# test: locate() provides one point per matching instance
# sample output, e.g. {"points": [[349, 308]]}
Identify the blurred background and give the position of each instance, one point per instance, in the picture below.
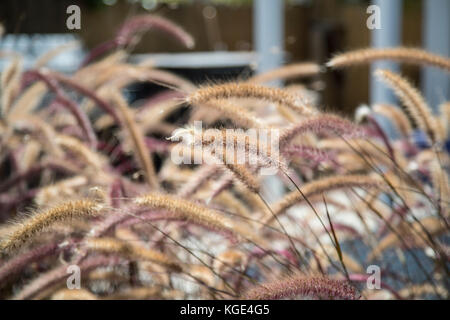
{"points": [[235, 38]]}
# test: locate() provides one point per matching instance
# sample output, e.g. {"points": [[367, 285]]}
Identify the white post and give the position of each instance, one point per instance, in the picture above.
{"points": [[389, 35], [268, 33], [268, 41], [436, 26]]}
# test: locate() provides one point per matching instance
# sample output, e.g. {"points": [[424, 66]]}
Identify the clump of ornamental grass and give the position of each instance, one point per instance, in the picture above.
{"points": [[99, 175]]}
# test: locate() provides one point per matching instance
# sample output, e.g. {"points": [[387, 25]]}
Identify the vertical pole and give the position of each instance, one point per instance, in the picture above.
{"points": [[389, 35], [268, 33], [436, 25], [268, 42]]}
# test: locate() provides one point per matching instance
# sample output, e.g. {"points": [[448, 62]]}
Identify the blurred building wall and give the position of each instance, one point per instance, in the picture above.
{"points": [[312, 32]]}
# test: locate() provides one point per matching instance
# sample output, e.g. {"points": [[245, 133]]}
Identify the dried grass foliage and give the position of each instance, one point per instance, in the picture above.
{"points": [[96, 173]]}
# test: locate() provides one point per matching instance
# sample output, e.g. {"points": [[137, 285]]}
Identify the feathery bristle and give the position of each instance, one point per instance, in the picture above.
{"points": [[186, 209], [414, 103], [249, 91], [138, 140], [395, 114], [323, 123], [291, 71], [39, 221], [405, 55]]}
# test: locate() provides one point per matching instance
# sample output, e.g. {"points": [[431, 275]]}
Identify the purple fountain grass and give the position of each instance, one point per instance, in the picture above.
{"points": [[88, 93], [15, 265], [322, 124], [61, 97], [305, 286], [404, 55], [58, 274], [138, 24], [116, 198], [310, 153], [37, 169]]}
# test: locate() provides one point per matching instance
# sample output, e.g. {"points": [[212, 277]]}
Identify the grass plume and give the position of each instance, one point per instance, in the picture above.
{"points": [[300, 285], [404, 55], [32, 226]]}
